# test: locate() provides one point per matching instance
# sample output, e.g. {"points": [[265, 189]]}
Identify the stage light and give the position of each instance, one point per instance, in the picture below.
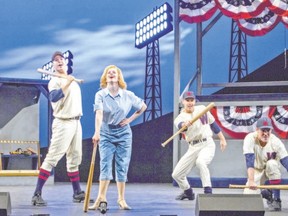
{"points": [[153, 26]]}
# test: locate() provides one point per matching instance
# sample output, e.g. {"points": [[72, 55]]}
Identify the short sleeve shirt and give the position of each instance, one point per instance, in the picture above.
{"points": [[200, 129], [115, 109], [71, 104], [274, 149]]}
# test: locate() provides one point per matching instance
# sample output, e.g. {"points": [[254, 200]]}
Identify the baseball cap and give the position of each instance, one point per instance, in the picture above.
{"points": [[188, 94], [264, 122], [57, 53]]}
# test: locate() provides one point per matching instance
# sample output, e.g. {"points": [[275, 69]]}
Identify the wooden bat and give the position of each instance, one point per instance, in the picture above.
{"points": [[280, 187], [40, 70], [210, 106], [90, 179]]}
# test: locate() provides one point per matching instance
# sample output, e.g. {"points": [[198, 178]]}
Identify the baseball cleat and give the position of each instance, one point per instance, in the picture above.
{"points": [[275, 205], [79, 197], [187, 194], [37, 200]]}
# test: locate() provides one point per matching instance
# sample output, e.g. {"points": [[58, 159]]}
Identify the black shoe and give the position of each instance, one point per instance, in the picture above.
{"points": [[38, 200], [275, 205], [187, 194], [79, 197], [267, 194], [103, 207]]}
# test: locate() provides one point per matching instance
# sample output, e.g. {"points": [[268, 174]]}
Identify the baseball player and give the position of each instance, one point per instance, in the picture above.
{"points": [[263, 151], [201, 148], [65, 98]]}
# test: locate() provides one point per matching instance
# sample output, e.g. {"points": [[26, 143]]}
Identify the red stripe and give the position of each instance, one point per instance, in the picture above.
{"points": [[275, 181], [75, 179], [43, 177], [73, 173], [45, 172]]}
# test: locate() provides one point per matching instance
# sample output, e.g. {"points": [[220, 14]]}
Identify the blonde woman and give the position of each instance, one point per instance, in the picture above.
{"points": [[113, 134]]}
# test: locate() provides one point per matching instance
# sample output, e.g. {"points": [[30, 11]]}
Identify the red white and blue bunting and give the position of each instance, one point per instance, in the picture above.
{"points": [[280, 7], [285, 21], [195, 11], [238, 121], [279, 116], [238, 9], [259, 25], [254, 17]]}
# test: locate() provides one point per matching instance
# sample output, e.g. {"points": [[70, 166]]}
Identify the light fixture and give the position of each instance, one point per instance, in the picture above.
{"points": [[153, 26]]}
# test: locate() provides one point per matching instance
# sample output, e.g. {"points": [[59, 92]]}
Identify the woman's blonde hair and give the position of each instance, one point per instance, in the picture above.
{"points": [[103, 82]]}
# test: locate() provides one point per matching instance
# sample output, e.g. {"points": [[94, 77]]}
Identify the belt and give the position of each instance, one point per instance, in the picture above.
{"points": [[73, 118], [114, 126], [194, 142]]}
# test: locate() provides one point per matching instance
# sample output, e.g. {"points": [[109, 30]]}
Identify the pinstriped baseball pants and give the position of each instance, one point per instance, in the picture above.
{"points": [[66, 139], [199, 155]]}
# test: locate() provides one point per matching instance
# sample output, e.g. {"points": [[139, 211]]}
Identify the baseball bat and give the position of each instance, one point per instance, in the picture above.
{"points": [[40, 70], [280, 187], [210, 106], [90, 179]]}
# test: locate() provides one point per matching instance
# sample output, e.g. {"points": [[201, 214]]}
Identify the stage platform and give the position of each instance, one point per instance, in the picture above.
{"points": [[145, 199]]}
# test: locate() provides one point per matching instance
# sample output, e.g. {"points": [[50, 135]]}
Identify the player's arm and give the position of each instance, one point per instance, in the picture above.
{"points": [[180, 122], [216, 129], [284, 162], [58, 91], [250, 158], [56, 95], [65, 86]]}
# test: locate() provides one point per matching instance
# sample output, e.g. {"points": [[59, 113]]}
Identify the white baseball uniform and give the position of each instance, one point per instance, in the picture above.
{"points": [[201, 148], [266, 164], [66, 127]]}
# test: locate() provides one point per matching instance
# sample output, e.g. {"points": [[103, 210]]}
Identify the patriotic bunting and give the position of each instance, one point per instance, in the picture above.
{"points": [[260, 25], [285, 21], [195, 11], [254, 17], [238, 121], [279, 116], [280, 7], [239, 9]]}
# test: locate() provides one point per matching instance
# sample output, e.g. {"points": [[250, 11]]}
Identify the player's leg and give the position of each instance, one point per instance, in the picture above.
{"points": [[60, 141], [73, 160], [182, 169], [205, 157], [274, 175]]}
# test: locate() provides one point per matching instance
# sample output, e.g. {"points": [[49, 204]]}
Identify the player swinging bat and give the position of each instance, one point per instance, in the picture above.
{"points": [[210, 106], [201, 150]]}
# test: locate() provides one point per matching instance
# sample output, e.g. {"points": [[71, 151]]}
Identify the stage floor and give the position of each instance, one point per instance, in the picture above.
{"points": [[145, 199]]}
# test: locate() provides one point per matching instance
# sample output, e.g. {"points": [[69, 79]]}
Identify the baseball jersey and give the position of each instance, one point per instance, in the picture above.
{"points": [[200, 129], [274, 149], [115, 109], [71, 104]]}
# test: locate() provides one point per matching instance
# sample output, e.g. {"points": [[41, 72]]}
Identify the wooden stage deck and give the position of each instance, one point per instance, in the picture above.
{"points": [[145, 199]]}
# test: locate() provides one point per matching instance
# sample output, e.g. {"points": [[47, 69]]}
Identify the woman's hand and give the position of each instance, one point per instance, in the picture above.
{"points": [[95, 139], [125, 122]]}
